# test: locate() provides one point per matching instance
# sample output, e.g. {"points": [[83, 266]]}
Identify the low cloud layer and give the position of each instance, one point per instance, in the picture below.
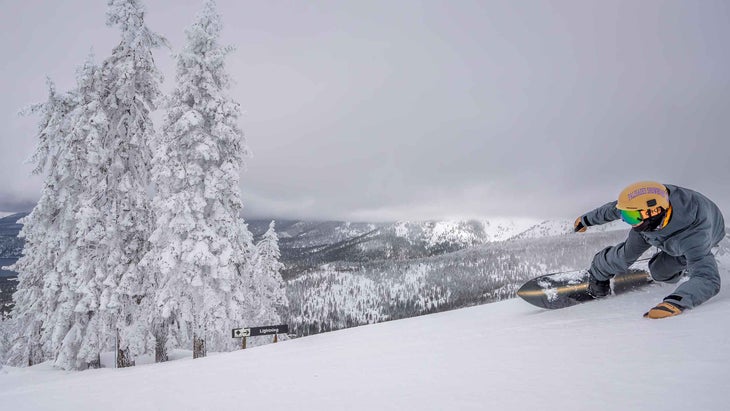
{"points": [[419, 110]]}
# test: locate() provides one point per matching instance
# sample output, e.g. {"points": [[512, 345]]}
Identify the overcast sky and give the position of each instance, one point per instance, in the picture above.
{"points": [[385, 110]]}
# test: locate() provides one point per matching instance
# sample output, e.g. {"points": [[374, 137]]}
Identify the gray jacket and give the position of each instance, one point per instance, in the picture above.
{"points": [[695, 227]]}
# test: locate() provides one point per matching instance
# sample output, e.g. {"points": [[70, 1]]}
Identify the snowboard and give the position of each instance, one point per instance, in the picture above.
{"points": [[560, 290]]}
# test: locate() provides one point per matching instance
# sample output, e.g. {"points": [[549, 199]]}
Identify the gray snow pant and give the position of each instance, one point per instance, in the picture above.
{"points": [[667, 268], [617, 259], [663, 267]]}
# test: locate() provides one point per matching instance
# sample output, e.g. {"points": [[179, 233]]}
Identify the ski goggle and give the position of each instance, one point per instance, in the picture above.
{"points": [[632, 217]]}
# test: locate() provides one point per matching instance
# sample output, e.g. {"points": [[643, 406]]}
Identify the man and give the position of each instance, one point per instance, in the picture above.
{"points": [[683, 224]]}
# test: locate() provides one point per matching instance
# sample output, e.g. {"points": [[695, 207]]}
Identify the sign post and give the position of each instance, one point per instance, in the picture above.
{"points": [[244, 333]]}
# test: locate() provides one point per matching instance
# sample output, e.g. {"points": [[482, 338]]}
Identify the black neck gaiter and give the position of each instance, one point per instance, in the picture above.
{"points": [[651, 223]]}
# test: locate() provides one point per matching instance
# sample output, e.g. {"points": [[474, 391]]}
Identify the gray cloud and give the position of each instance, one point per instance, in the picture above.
{"points": [[386, 110]]}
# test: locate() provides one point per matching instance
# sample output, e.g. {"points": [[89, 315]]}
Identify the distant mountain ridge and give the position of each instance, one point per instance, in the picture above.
{"points": [[308, 244], [305, 245]]}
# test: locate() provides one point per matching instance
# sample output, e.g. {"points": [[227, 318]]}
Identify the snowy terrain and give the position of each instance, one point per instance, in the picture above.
{"points": [[502, 356], [313, 234], [461, 232], [344, 293], [550, 228], [308, 243]]}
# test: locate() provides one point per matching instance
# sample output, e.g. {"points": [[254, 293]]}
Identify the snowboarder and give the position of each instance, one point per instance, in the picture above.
{"points": [[683, 224]]}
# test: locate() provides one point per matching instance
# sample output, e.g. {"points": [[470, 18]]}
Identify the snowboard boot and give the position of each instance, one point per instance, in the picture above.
{"points": [[598, 288]]}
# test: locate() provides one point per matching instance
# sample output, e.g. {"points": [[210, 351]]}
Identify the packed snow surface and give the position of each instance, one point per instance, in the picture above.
{"points": [[503, 356]]}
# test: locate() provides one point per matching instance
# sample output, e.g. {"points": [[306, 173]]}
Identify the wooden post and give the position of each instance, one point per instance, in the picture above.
{"points": [[243, 343], [199, 349], [276, 338]]}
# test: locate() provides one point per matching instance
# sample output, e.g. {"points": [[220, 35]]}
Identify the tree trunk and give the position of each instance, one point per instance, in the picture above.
{"points": [[198, 347], [35, 352], [161, 349], [35, 355], [124, 359]]}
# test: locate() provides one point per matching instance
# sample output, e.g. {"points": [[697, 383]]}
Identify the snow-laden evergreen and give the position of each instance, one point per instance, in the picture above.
{"points": [[67, 138], [5, 337], [101, 270], [79, 286], [200, 248], [74, 346], [270, 291], [131, 91], [39, 282]]}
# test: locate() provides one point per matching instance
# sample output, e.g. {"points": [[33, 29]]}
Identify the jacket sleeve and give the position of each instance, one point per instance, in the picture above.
{"points": [[602, 215], [704, 278]]}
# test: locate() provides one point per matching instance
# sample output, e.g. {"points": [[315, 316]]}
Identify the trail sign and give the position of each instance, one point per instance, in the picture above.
{"points": [[241, 332], [256, 331]]}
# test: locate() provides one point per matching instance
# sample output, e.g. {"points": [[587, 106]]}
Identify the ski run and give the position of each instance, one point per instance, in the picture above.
{"points": [[502, 356]]}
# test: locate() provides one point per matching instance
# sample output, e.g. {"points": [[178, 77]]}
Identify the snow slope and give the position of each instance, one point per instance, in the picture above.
{"points": [[502, 356]]}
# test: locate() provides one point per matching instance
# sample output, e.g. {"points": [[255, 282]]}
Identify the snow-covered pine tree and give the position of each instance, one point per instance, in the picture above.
{"points": [[268, 281], [39, 282], [200, 246], [68, 297], [6, 332], [4, 339], [132, 88], [76, 346]]}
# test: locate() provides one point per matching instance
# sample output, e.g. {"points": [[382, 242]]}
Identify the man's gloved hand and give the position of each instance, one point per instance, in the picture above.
{"points": [[578, 226], [597, 288], [663, 310]]}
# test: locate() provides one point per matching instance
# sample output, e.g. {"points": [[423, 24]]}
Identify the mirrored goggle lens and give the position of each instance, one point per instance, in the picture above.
{"points": [[632, 217]]}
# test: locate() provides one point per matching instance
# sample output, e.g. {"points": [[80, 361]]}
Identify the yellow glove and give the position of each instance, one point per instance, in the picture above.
{"points": [[663, 310], [578, 226]]}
